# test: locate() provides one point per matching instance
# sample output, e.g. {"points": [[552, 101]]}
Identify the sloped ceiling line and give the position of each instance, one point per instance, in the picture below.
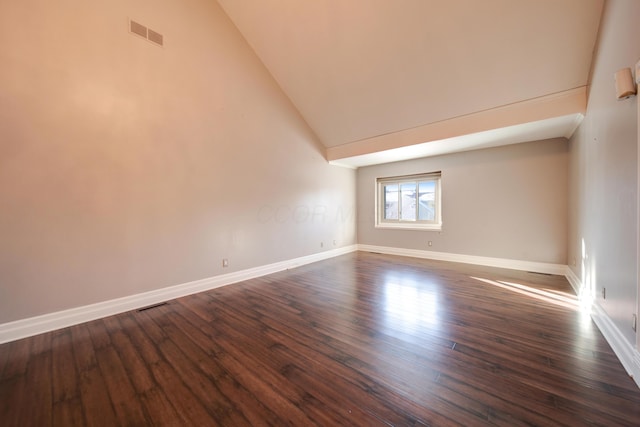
{"points": [[566, 103], [375, 75]]}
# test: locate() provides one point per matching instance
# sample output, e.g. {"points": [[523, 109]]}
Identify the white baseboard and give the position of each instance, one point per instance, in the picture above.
{"points": [[574, 281], [537, 267], [628, 355], [23, 328]]}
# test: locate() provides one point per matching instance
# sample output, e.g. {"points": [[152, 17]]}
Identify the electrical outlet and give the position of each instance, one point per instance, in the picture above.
{"points": [[604, 293], [430, 243], [225, 262], [334, 243], [322, 244]]}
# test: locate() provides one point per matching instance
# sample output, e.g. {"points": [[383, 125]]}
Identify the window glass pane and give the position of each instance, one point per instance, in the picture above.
{"points": [[427, 201], [409, 202], [391, 201], [408, 190]]}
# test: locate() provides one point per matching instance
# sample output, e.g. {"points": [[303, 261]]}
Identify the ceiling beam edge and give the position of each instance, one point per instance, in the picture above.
{"points": [[555, 105]]}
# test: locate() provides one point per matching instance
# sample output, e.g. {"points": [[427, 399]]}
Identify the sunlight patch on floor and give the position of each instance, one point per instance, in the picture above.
{"points": [[550, 296], [410, 307]]}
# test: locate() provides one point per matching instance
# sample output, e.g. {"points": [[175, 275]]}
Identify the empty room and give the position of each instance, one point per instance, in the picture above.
{"points": [[332, 212]]}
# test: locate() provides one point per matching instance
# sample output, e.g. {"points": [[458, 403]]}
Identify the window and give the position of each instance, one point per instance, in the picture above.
{"points": [[409, 202]]}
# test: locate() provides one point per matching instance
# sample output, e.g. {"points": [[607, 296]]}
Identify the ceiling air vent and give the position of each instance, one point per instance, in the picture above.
{"points": [[138, 29], [147, 33], [154, 37]]}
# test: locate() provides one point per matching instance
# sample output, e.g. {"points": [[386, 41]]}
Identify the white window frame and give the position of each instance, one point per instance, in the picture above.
{"points": [[381, 222]]}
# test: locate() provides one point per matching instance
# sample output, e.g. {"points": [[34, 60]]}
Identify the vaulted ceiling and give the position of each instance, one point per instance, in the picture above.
{"points": [[381, 80]]}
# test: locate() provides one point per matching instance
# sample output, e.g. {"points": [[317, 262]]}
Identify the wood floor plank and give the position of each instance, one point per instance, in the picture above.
{"points": [[144, 345], [194, 344], [40, 343], [160, 410], [324, 377], [99, 335], [286, 403], [126, 405], [83, 350], [68, 412], [4, 358], [251, 373], [132, 361], [17, 358], [13, 395], [341, 362], [64, 375], [203, 387], [38, 382], [96, 402], [186, 404], [357, 340]]}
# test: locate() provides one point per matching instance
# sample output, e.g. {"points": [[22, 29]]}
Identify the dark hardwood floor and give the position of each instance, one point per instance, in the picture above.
{"points": [[362, 339]]}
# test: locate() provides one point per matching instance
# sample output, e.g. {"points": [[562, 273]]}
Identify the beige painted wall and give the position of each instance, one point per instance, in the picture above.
{"points": [[125, 167], [603, 178], [507, 202]]}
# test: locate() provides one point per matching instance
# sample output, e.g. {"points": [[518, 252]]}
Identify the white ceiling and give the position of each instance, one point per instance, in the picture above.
{"points": [[359, 70]]}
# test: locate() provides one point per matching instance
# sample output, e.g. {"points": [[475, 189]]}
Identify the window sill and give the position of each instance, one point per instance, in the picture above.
{"points": [[416, 227]]}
